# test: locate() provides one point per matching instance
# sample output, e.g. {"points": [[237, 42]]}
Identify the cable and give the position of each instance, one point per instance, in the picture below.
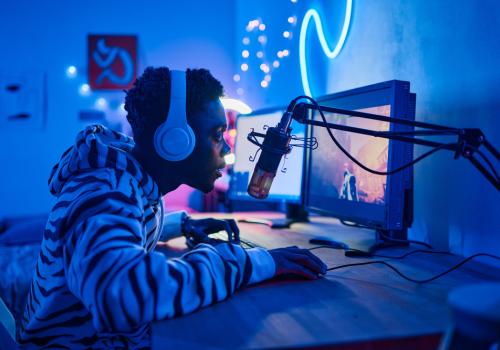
{"points": [[389, 256], [412, 279], [416, 160], [487, 161]]}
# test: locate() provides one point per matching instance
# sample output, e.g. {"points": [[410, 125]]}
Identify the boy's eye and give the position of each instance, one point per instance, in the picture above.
{"points": [[218, 136]]}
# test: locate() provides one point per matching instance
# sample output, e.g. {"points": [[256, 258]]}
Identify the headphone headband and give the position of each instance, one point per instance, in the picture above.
{"points": [[174, 139]]}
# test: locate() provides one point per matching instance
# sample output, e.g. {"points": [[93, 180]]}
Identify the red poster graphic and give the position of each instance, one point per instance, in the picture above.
{"points": [[112, 61]]}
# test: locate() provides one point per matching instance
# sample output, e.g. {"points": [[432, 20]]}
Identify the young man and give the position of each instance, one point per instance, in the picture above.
{"points": [[98, 282]]}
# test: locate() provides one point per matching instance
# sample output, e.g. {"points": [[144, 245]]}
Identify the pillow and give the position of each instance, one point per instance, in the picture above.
{"points": [[23, 230]]}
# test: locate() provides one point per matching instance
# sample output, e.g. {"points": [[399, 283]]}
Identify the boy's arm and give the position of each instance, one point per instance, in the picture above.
{"points": [[123, 286]]}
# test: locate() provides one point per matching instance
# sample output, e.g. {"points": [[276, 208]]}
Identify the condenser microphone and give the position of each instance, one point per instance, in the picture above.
{"points": [[276, 144]]}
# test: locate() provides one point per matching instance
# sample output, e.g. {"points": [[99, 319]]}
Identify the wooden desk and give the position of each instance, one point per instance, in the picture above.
{"points": [[357, 305]]}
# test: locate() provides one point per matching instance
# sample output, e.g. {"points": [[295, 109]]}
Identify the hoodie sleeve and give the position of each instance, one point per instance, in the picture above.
{"points": [[123, 286], [172, 225]]}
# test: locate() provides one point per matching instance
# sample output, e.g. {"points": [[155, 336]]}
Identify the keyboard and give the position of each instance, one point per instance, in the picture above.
{"points": [[244, 243]]}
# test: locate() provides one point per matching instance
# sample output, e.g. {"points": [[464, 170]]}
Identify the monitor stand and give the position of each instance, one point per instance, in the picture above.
{"points": [[294, 213], [383, 240]]}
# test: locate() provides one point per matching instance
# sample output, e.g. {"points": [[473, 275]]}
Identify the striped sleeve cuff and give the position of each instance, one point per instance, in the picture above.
{"points": [[172, 225], [263, 266]]}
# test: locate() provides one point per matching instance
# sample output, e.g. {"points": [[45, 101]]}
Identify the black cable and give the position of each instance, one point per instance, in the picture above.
{"points": [[412, 279], [487, 161], [390, 256], [416, 160]]}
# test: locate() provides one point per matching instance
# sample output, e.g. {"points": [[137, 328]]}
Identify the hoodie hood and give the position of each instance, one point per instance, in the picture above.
{"points": [[98, 147]]}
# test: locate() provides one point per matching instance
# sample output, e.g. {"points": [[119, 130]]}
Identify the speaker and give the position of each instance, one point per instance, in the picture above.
{"points": [[174, 139]]}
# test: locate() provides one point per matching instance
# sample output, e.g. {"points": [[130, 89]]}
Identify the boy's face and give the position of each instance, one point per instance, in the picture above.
{"points": [[204, 165]]}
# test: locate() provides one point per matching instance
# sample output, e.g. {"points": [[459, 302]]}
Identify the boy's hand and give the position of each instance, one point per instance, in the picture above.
{"points": [[198, 231], [297, 262]]}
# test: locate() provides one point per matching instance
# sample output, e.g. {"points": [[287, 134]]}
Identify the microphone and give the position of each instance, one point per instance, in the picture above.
{"points": [[276, 144]]}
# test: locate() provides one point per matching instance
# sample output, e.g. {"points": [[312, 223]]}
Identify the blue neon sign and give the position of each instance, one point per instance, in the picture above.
{"points": [[313, 14]]}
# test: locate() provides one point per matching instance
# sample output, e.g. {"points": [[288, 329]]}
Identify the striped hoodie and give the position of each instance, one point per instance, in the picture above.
{"points": [[98, 282]]}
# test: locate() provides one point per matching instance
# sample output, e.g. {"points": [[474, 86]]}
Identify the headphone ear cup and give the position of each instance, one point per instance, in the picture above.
{"points": [[174, 140], [174, 144]]}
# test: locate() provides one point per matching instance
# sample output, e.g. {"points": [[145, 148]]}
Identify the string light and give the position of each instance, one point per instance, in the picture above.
{"points": [[84, 89], [253, 24], [255, 27], [101, 103], [71, 71]]}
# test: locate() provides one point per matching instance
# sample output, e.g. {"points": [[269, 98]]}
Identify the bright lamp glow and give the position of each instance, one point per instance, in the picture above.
{"points": [[331, 54], [235, 105], [229, 159]]}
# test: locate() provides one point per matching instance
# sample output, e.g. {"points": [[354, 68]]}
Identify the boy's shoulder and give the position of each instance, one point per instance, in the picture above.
{"points": [[106, 180]]}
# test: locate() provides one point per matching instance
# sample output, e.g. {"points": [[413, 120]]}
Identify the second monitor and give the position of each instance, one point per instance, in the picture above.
{"points": [[287, 185]]}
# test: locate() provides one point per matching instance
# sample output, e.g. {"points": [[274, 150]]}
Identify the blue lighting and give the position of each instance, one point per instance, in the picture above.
{"points": [[311, 13]]}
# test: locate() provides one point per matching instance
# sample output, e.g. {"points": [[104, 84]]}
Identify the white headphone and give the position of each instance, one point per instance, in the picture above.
{"points": [[174, 139]]}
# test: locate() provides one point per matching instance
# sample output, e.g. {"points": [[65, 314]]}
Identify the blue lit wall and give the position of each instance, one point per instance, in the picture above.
{"points": [[46, 37], [447, 49], [449, 52]]}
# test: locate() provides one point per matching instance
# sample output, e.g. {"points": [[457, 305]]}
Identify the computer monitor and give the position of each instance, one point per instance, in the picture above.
{"points": [[287, 185], [338, 187]]}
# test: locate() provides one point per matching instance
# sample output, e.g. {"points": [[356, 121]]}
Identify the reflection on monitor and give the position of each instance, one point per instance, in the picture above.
{"points": [[337, 186], [339, 177], [288, 181]]}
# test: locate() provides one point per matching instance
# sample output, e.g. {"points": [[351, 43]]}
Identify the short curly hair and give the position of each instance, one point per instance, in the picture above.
{"points": [[147, 102]]}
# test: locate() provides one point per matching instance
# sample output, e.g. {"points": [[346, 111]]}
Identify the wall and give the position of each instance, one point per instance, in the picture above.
{"points": [[449, 52], [46, 37]]}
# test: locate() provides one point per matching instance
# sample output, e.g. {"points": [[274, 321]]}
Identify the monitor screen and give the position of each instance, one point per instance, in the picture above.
{"points": [[336, 176], [287, 184], [336, 185]]}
